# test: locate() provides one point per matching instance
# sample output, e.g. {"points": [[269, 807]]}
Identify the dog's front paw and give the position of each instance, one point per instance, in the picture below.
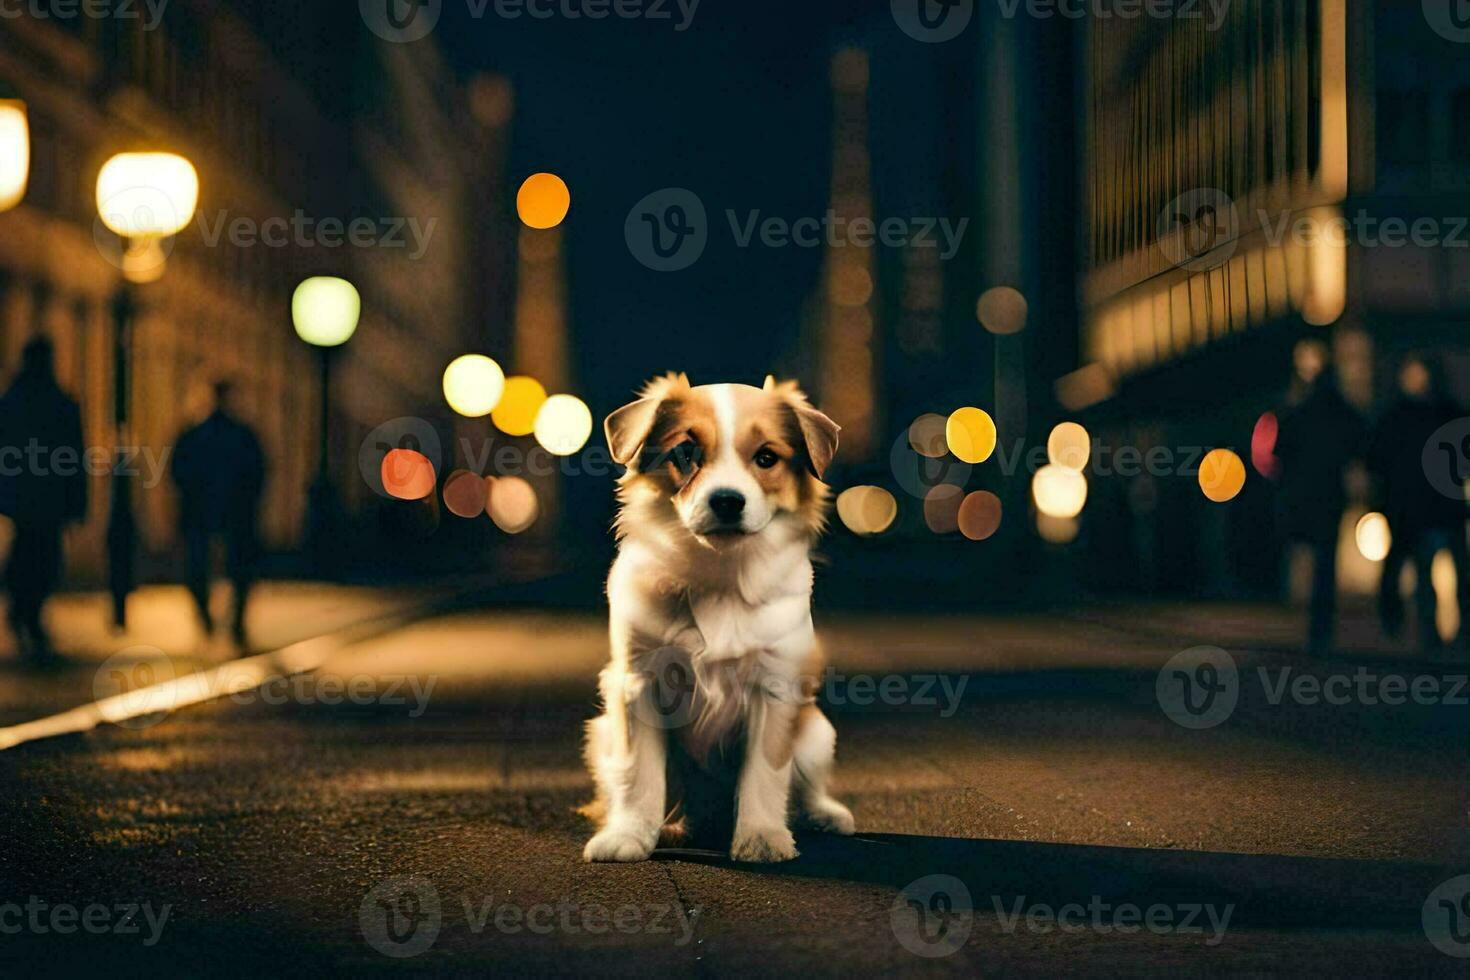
{"points": [[763, 846], [618, 844], [832, 817]]}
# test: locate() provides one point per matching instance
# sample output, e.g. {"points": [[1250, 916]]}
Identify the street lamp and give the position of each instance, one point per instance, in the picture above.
{"points": [[325, 311], [144, 198], [15, 152]]}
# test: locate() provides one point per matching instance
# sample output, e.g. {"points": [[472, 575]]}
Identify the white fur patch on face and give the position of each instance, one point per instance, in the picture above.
{"points": [[726, 472]]}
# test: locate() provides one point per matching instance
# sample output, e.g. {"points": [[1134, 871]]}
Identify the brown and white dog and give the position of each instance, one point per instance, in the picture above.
{"points": [[713, 653]]}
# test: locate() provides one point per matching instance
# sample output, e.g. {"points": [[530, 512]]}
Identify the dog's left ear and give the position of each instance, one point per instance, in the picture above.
{"points": [[817, 430], [627, 429]]}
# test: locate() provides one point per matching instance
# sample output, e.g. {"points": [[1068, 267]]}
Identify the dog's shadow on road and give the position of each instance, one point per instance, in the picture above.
{"points": [[1265, 889]]}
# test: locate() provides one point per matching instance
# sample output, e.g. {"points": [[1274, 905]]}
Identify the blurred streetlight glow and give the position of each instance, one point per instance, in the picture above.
{"points": [[1059, 491], [144, 261], [1221, 475], [1069, 445], [473, 385], [464, 494], [15, 152], [516, 413], [147, 195], [325, 311], [980, 515], [1373, 537], [1002, 310], [1263, 445], [1057, 530], [512, 504], [942, 508], [971, 435], [543, 200], [866, 511], [563, 425]]}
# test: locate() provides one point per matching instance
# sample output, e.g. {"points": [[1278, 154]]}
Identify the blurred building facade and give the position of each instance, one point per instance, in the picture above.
{"points": [[289, 112], [1236, 182]]}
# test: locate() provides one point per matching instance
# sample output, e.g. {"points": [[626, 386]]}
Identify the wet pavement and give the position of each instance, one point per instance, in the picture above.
{"points": [[1024, 800]]}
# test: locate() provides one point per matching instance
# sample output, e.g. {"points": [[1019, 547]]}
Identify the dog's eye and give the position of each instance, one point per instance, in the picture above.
{"points": [[766, 459], [685, 455]]}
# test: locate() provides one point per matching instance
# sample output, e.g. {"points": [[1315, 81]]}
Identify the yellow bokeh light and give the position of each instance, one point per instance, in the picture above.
{"points": [[1373, 537], [1221, 475], [971, 435], [516, 413], [563, 425], [325, 310], [1443, 577], [512, 504], [1069, 445], [144, 261], [543, 200], [1057, 530], [147, 195], [1059, 491], [867, 511], [15, 152], [473, 385]]}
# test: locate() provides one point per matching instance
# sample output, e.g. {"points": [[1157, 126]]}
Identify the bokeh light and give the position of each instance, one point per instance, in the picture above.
{"points": [[1221, 475], [1445, 579], [1057, 530], [473, 385], [927, 435], [1373, 537], [563, 425], [516, 413], [850, 285], [1059, 491], [942, 508], [144, 261], [325, 311], [407, 475], [1069, 445], [979, 516], [866, 511], [464, 494], [543, 200], [1263, 445], [512, 504], [15, 152], [970, 434], [1001, 310], [143, 195]]}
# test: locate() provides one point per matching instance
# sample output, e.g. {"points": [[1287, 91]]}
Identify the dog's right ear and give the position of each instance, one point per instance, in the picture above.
{"points": [[628, 428]]}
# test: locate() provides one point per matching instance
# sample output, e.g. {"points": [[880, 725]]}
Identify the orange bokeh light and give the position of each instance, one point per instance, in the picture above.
{"points": [[407, 475], [543, 200]]}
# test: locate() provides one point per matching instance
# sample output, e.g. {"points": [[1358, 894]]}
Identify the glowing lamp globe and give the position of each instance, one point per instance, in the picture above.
{"points": [[1059, 491], [15, 152], [325, 310], [147, 195]]}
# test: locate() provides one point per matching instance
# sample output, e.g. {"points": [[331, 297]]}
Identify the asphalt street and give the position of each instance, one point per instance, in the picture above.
{"points": [[1026, 804]]}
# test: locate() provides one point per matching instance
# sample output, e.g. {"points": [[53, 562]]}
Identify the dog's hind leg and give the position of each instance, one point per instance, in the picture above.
{"points": [[814, 750]]}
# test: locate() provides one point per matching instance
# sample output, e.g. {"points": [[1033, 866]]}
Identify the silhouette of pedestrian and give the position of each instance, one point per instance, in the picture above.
{"points": [[220, 472], [43, 488], [1422, 520], [1320, 434]]}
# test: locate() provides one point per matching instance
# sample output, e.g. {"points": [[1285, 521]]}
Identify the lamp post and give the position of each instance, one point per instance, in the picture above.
{"points": [[144, 198], [325, 311], [15, 152]]}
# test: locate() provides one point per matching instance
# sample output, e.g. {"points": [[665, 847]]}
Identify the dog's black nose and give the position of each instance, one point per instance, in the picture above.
{"points": [[728, 505]]}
